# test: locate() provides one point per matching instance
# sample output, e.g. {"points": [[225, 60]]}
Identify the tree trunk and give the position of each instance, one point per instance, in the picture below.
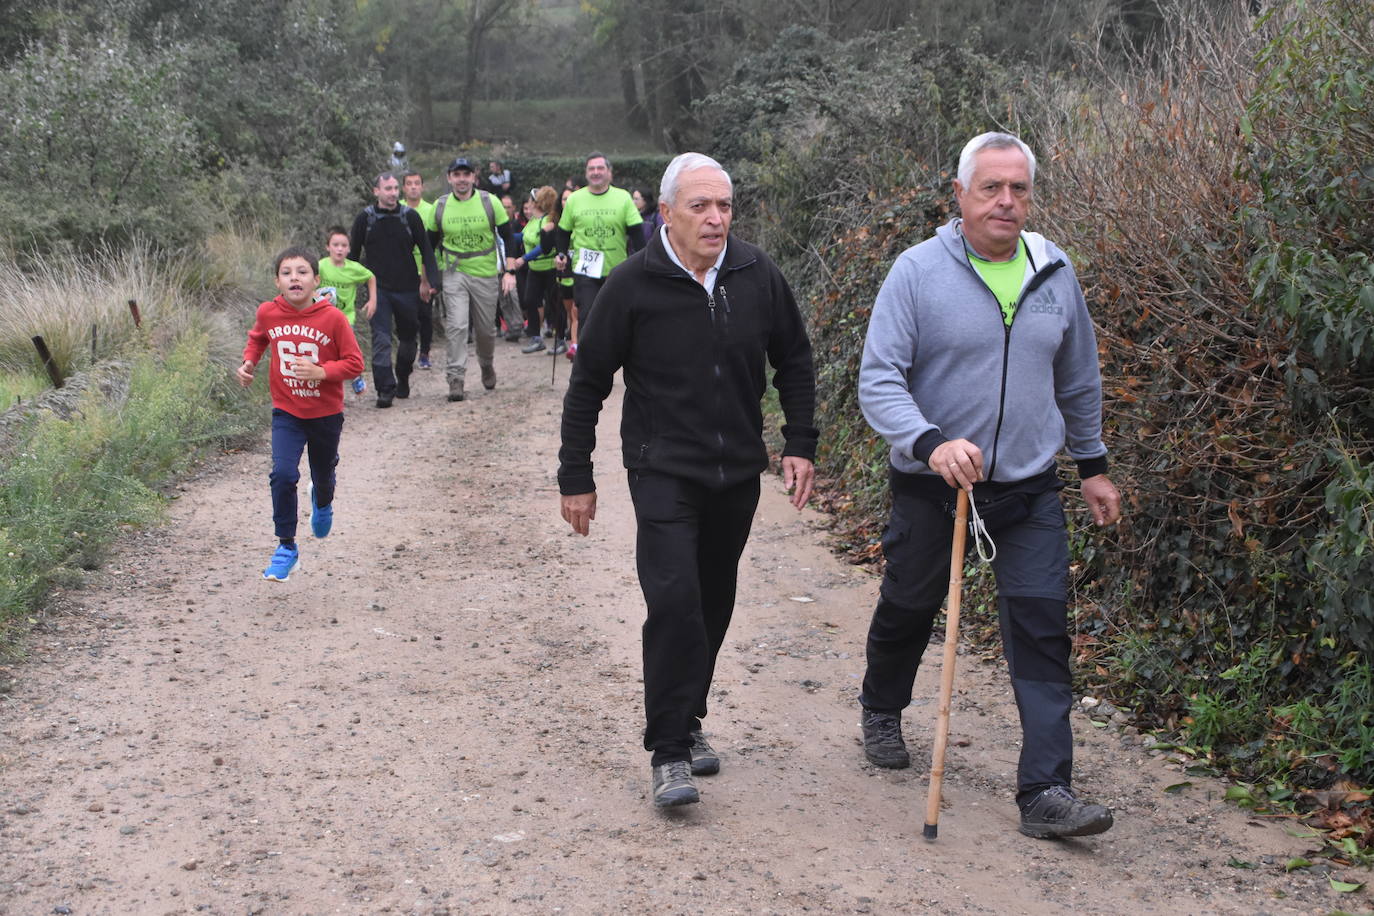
{"points": [[472, 40], [424, 106], [635, 116]]}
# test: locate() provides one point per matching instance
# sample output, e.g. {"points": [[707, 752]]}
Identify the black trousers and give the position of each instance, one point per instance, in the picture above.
{"points": [[584, 294], [541, 291], [425, 317], [687, 551], [1032, 572], [403, 308]]}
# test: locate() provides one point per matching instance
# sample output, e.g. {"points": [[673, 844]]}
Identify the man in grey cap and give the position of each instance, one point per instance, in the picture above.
{"points": [[472, 229]]}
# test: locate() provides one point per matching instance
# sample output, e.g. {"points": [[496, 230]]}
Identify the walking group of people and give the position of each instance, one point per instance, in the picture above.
{"points": [[482, 266], [979, 367]]}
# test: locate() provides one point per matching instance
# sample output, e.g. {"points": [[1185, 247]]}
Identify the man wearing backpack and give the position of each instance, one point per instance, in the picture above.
{"points": [[474, 233], [382, 238]]}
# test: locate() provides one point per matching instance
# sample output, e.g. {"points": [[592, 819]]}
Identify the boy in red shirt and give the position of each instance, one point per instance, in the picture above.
{"points": [[313, 353]]}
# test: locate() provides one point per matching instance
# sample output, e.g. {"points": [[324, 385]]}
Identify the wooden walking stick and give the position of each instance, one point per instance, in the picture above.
{"points": [[956, 584]]}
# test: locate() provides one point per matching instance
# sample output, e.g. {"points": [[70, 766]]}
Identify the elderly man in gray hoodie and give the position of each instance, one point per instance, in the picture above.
{"points": [[979, 366]]}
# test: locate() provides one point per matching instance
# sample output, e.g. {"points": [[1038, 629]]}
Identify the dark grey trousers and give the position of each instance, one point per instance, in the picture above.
{"points": [[1031, 569]]}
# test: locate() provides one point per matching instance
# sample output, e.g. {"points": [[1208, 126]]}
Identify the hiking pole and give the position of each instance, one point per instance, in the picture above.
{"points": [[956, 584]]}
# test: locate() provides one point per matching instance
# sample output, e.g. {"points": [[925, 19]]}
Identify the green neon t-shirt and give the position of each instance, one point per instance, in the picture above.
{"points": [[545, 260], [1004, 278], [426, 211], [599, 221], [466, 228], [341, 284]]}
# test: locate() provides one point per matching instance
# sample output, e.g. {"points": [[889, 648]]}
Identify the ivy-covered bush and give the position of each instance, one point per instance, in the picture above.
{"points": [[1214, 196]]}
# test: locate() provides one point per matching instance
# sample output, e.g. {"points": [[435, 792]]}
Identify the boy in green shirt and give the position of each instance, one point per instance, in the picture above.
{"points": [[339, 279]]}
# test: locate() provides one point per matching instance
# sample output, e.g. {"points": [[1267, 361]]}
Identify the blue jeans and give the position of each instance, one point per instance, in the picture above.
{"points": [[291, 435]]}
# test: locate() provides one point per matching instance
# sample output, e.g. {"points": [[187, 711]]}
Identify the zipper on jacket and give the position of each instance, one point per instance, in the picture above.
{"points": [[718, 333], [1037, 280]]}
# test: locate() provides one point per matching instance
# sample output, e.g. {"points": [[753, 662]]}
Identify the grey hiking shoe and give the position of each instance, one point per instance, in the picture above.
{"points": [[1056, 812], [488, 377], [673, 785], [883, 744], [455, 389], [705, 760]]}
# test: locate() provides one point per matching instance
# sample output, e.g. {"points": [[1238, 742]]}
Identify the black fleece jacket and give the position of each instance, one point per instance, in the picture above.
{"points": [[388, 249], [694, 370]]}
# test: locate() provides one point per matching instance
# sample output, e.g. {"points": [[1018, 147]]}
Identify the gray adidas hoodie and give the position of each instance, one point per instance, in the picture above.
{"points": [[940, 364]]}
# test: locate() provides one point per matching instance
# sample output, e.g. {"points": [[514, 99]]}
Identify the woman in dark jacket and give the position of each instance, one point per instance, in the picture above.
{"points": [[649, 210]]}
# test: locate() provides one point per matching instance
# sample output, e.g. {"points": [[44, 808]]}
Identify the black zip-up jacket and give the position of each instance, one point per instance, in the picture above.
{"points": [[387, 249], [694, 370]]}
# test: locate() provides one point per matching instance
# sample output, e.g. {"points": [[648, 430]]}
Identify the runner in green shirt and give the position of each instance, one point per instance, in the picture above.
{"points": [[599, 228], [413, 189]]}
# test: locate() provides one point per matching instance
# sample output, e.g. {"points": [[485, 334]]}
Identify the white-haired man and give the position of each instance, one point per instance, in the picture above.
{"points": [[979, 366], [691, 319]]}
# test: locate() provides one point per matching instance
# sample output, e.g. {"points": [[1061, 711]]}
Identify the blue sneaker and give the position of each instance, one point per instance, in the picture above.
{"points": [[285, 561], [359, 385], [321, 519], [424, 362]]}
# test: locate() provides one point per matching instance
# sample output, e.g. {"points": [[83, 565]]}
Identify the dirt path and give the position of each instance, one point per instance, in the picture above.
{"points": [[440, 714]]}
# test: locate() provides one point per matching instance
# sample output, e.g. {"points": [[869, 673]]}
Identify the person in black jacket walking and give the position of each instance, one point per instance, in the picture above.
{"points": [[691, 319], [384, 238]]}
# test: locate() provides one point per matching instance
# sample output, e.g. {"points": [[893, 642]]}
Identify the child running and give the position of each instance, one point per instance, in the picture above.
{"points": [[313, 353], [339, 279]]}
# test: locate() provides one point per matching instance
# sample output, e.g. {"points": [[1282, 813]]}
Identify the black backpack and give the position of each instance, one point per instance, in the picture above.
{"points": [[373, 216]]}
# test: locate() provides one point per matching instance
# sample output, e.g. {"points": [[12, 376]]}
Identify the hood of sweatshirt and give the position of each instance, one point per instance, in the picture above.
{"points": [[280, 307]]}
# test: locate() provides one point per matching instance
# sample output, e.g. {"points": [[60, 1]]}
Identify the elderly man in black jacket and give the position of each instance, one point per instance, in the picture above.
{"points": [[692, 319]]}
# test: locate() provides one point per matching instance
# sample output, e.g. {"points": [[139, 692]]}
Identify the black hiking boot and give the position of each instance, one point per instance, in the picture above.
{"points": [[673, 785], [1055, 812], [883, 744], [705, 760]]}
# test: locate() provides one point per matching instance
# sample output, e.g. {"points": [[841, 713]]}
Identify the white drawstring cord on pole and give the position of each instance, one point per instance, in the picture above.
{"points": [[980, 535]]}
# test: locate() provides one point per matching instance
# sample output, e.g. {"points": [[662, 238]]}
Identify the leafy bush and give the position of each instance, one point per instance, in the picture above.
{"points": [[96, 144], [1310, 127], [169, 122], [1236, 349]]}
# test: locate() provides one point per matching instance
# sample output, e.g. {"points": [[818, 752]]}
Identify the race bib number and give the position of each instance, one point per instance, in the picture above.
{"points": [[590, 263]]}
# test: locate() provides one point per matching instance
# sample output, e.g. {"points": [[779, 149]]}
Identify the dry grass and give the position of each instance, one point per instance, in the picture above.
{"points": [[80, 305]]}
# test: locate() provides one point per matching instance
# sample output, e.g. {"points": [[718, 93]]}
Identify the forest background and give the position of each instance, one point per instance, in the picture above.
{"points": [[1208, 164]]}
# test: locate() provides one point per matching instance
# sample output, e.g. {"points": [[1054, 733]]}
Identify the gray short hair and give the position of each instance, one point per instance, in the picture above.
{"points": [[686, 162], [991, 140]]}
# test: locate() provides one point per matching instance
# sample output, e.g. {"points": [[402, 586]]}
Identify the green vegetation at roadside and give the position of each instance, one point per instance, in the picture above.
{"points": [[80, 463], [69, 482]]}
